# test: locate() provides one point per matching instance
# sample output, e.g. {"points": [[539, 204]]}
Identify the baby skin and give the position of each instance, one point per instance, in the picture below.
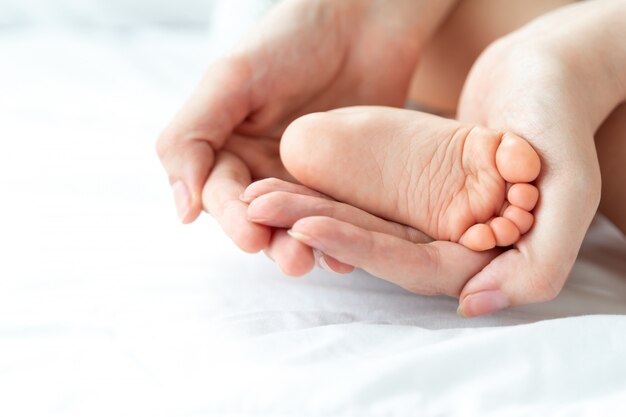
{"points": [[454, 182]]}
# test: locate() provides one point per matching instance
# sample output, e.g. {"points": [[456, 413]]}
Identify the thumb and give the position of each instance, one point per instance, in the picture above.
{"points": [[187, 146], [512, 279], [536, 270]]}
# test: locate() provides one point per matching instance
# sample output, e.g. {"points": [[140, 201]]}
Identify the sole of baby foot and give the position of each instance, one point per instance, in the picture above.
{"points": [[465, 184]]}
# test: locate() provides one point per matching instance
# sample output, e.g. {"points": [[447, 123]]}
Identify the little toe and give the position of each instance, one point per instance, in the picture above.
{"points": [[521, 218], [524, 196], [516, 160], [478, 237], [505, 231]]}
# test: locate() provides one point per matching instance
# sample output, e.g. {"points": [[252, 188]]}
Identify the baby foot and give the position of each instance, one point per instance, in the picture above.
{"points": [[452, 181]]}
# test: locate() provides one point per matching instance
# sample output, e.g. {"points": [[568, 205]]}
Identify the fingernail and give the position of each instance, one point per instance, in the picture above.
{"points": [[182, 199], [305, 239], [324, 264], [257, 220], [245, 199], [483, 303], [268, 222], [320, 260]]}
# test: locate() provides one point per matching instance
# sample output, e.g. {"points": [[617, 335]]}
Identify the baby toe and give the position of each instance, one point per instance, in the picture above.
{"points": [[524, 196], [521, 218], [478, 237], [516, 160], [504, 231]]}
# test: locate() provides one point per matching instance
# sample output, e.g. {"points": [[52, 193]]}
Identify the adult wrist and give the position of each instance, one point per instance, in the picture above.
{"points": [[602, 66], [587, 41]]}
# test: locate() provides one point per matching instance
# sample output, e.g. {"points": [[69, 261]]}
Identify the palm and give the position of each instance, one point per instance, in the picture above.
{"points": [[339, 54], [260, 155], [531, 92]]}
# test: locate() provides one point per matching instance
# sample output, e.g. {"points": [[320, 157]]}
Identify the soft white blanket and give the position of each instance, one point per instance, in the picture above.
{"points": [[108, 307]]}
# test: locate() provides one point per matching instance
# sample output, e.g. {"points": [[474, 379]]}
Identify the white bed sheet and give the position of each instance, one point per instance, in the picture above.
{"points": [[109, 307]]}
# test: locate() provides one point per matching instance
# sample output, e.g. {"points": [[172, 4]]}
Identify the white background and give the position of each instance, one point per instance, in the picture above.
{"points": [[105, 12], [109, 307]]}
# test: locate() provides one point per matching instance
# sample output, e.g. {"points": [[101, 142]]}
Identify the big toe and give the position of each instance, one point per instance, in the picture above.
{"points": [[478, 237], [516, 160]]}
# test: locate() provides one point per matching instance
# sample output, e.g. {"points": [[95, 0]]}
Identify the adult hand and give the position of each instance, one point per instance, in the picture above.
{"points": [[305, 56], [551, 83], [345, 236], [534, 83]]}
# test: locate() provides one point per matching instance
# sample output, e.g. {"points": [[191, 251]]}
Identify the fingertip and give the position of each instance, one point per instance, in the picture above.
{"points": [[294, 258], [245, 198], [304, 238], [248, 195], [183, 201], [258, 188], [336, 265], [188, 168], [328, 263], [193, 213], [483, 303], [265, 211], [306, 225], [251, 237], [294, 270]]}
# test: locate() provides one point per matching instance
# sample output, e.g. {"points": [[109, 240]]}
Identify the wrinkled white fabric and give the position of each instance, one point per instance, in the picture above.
{"points": [[108, 307]]}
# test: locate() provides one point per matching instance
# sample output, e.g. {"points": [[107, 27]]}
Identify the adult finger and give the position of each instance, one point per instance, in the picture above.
{"points": [[292, 257], [187, 146], [283, 209], [268, 185], [428, 269], [295, 258], [227, 180]]}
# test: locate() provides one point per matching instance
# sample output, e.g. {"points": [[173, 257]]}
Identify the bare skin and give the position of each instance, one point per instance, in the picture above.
{"points": [[313, 55], [420, 267], [441, 177], [552, 83], [191, 146], [304, 56], [397, 253]]}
